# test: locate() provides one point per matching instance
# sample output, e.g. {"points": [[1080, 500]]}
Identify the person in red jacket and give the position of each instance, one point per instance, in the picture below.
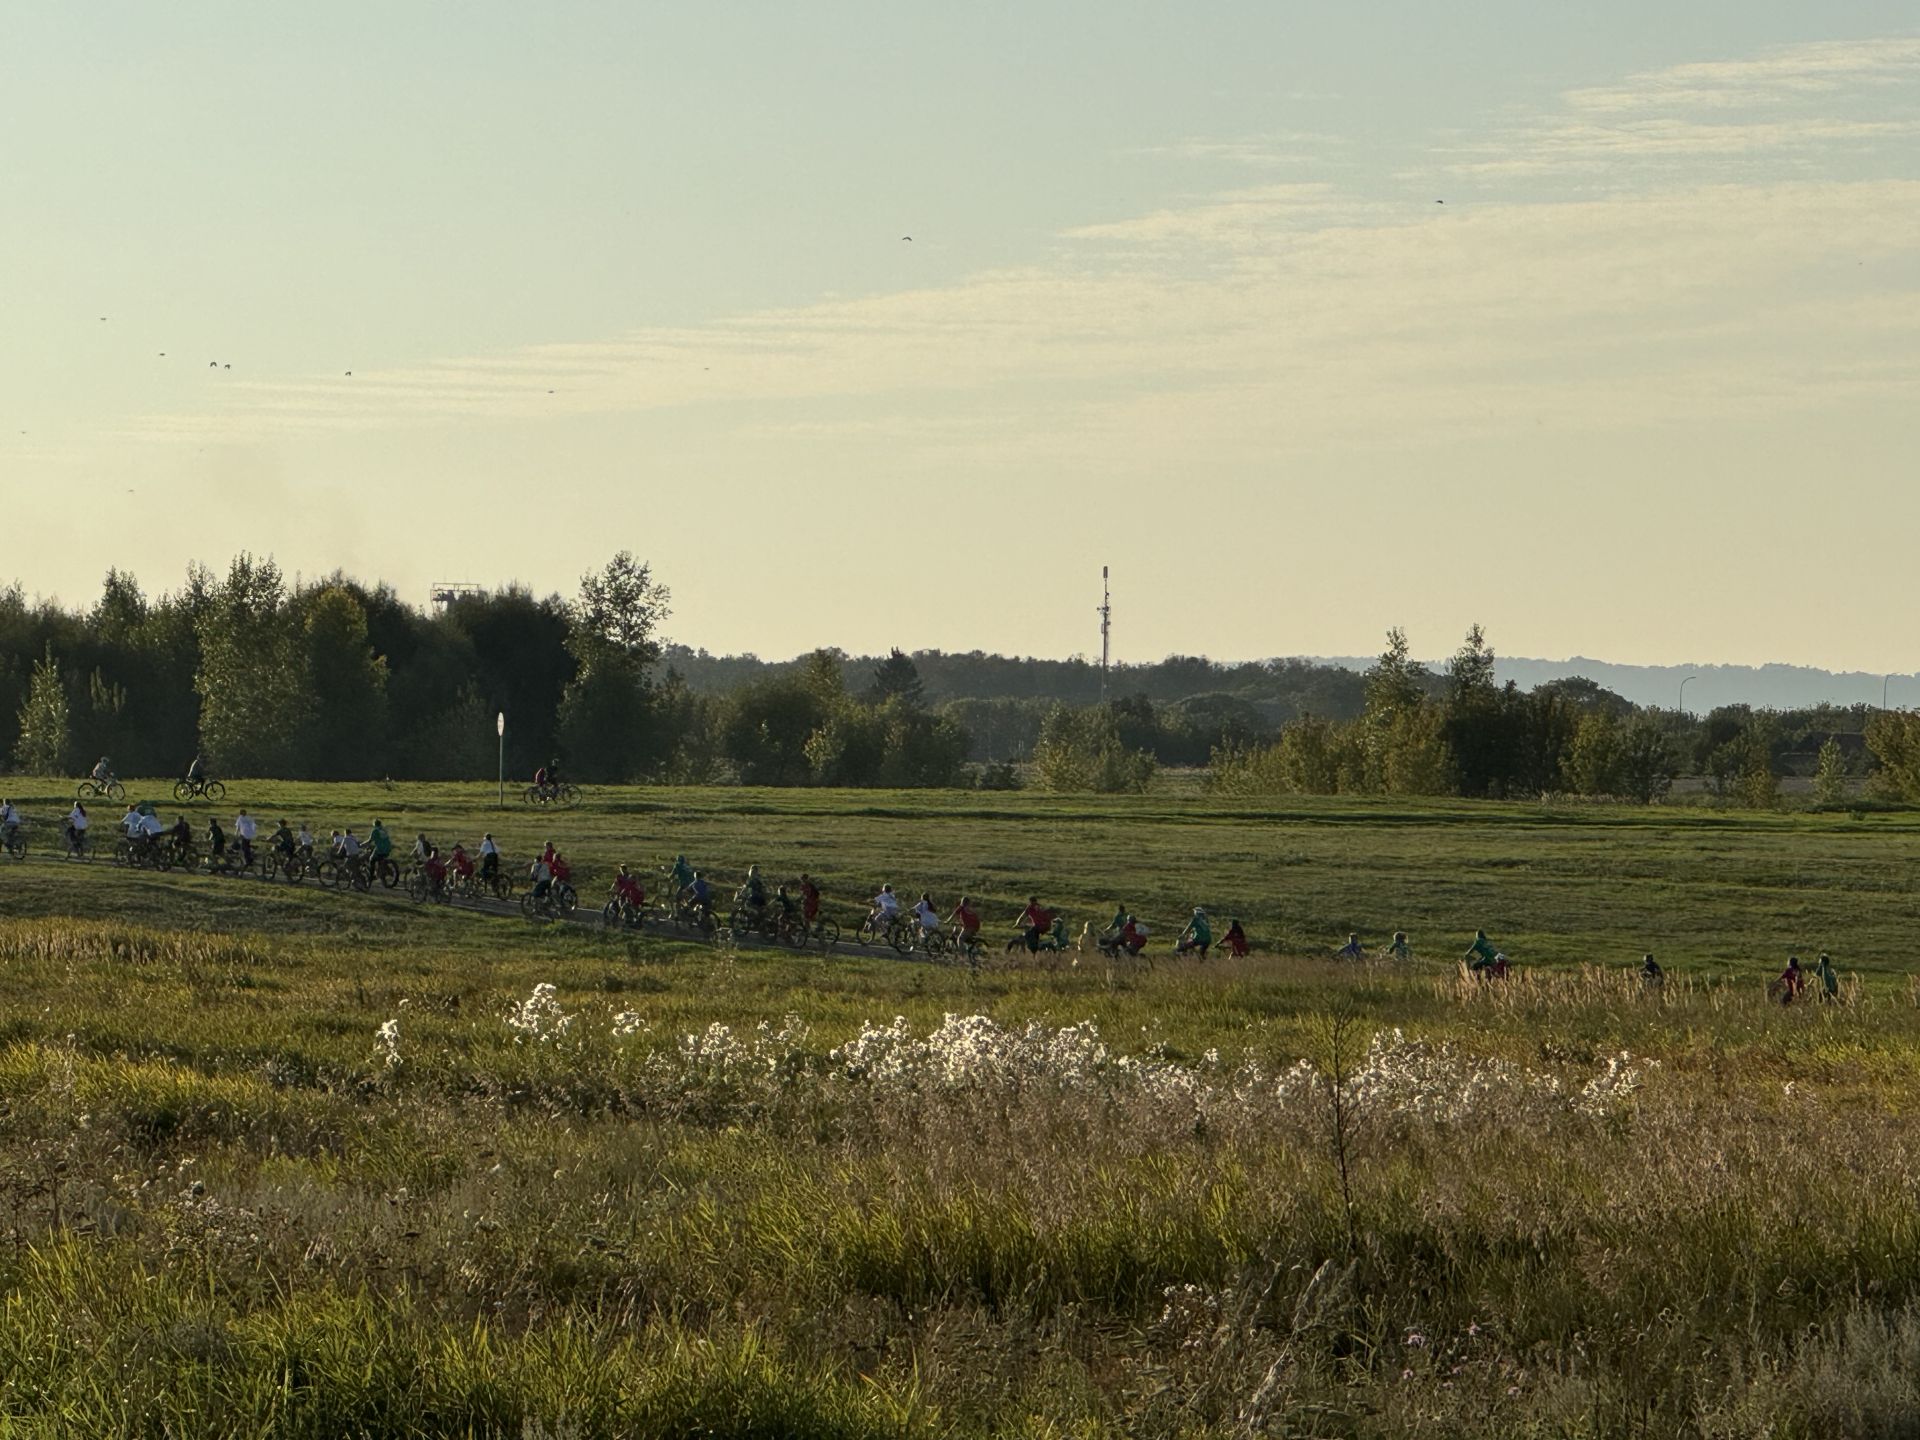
{"points": [[1035, 921]]}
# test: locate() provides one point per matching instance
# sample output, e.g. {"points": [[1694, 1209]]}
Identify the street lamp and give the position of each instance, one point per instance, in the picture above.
{"points": [[500, 729], [1683, 692]]}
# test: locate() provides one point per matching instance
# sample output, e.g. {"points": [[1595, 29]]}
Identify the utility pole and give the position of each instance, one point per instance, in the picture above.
{"points": [[1106, 623], [500, 730]]}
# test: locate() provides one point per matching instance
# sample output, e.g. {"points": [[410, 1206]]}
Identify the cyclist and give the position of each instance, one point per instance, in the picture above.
{"points": [[77, 823], [102, 773], [753, 894], [306, 838], [886, 910], [1197, 936], [679, 874], [1829, 979], [350, 850], [9, 820], [541, 873], [216, 842], [133, 823], [787, 907], [1234, 942], [965, 921], [1352, 950], [698, 898], [924, 912], [1651, 975], [1791, 981], [182, 835], [1482, 956], [197, 773], [1399, 950], [282, 842], [1034, 921], [422, 847], [152, 831], [436, 871], [628, 890], [489, 860], [1110, 936], [380, 842], [809, 900], [459, 866], [244, 829]]}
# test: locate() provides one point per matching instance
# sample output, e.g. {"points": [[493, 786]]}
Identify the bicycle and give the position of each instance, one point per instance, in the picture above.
{"points": [[562, 796], [79, 846], [535, 906], [91, 789], [619, 914], [877, 930], [421, 888], [824, 932], [210, 790], [15, 842], [383, 869]]}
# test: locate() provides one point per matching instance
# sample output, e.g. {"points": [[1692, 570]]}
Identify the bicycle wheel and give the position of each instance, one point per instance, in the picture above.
{"points": [[182, 791], [215, 791], [532, 795], [566, 900], [115, 791], [328, 874], [826, 934], [569, 796], [88, 790]]}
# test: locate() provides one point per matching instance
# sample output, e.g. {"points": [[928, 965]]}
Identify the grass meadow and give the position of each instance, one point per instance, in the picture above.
{"points": [[282, 1162]]}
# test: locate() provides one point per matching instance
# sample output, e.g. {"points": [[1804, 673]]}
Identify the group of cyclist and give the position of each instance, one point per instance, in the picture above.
{"points": [[785, 908]]}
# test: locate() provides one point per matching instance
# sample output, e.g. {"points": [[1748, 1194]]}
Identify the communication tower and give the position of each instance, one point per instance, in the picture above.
{"points": [[1106, 625]]}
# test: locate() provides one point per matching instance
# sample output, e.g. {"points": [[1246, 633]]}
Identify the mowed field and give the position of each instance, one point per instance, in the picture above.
{"points": [[1716, 890], [282, 1162]]}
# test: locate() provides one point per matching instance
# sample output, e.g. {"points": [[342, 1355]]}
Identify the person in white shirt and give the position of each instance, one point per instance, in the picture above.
{"points": [[886, 908], [350, 846], [244, 829], [306, 837], [924, 912], [77, 823], [103, 772], [489, 858], [151, 828], [9, 820], [134, 823]]}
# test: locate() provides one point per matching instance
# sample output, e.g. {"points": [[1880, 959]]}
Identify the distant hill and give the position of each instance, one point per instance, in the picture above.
{"points": [[1769, 687], [1283, 689]]}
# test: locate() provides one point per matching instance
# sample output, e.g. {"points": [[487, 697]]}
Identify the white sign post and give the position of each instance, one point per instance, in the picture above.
{"points": [[500, 729]]}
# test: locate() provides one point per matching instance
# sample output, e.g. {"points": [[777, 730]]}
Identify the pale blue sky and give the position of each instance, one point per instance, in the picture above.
{"points": [[1178, 289]]}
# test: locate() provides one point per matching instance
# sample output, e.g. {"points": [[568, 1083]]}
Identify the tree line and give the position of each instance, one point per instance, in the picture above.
{"points": [[337, 679]]}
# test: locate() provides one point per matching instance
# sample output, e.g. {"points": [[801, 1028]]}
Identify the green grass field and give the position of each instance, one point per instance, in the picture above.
{"points": [[696, 1190]]}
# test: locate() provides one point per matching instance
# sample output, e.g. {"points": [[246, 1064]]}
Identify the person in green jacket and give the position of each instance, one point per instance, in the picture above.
{"points": [[380, 840], [1482, 954], [1197, 936], [1829, 978]]}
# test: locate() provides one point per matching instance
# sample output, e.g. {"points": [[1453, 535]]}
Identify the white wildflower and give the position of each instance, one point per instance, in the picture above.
{"points": [[539, 1017]]}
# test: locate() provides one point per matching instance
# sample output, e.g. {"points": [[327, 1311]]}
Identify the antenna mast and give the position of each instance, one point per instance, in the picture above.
{"points": [[1106, 623]]}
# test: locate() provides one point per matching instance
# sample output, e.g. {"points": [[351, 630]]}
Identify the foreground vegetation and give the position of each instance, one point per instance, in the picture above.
{"points": [[276, 1162]]}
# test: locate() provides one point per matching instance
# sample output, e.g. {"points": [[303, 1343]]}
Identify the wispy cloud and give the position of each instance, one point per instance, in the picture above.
{"points": [[1788, 74], [1797, 102], [1297, 314], [1287, 149]]}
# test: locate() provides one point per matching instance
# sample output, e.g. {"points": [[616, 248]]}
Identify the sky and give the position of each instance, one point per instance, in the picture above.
{"points": [[1596, 324]]}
